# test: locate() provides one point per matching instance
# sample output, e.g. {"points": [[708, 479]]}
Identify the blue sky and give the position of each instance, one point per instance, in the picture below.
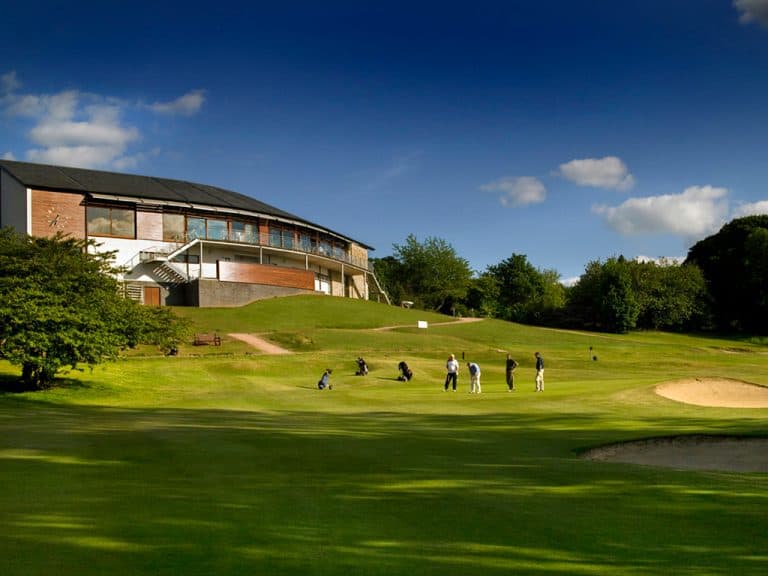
{"points": [[566, 131]]}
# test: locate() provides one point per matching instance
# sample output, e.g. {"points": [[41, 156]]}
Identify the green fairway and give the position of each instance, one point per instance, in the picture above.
{"points": [[225, 461]]}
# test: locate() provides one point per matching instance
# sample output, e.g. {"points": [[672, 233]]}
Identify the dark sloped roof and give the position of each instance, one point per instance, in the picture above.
{"points": [[63, 178]]}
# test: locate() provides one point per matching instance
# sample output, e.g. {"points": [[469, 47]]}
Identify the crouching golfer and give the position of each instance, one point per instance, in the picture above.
{"points": [[324, 381]]}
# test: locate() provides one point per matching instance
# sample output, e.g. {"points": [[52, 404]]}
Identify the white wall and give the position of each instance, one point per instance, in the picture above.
{"points": [[127, 248]]}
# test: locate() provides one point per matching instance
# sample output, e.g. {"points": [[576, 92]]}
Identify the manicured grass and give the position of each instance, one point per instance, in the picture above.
{"points": [[233, 463]]}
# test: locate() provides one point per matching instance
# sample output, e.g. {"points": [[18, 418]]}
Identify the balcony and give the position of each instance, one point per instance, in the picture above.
{"points": [[264, 240]]}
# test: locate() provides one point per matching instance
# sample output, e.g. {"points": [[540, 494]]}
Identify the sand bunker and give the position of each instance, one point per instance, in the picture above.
{"points": [[721, 392], [719, 453], [699, 452]]}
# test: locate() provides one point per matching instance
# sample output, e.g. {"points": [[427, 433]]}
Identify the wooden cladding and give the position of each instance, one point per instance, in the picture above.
{"points": [[54, 212], [265, 274]]}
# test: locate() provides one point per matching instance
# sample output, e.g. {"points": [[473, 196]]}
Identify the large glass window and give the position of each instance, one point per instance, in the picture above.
{"points": [[195, 228], [119, 222], [305, 242], [244, 232], [288, 239], [173, 227], [217, 229], [274, 236]]}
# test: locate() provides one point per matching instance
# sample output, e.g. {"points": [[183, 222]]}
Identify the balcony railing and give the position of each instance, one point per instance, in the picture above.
{"points": [[267, 240]]}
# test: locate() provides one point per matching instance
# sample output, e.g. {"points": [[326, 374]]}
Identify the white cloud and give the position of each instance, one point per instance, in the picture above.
{"points": [[92, 132], [186, 105], [698, 211], [9, 156], [751, 209], [752, 11], [77, 134], [76, 128], [80, 156], [518, 191], [609, 172]]}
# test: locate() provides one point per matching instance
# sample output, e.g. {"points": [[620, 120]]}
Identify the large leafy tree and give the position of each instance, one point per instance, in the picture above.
{"points": [[670, 296], [735, 264], [60, 307], [526, 294], [431, 273], [619, 295], [483, 296], [604, 298]]}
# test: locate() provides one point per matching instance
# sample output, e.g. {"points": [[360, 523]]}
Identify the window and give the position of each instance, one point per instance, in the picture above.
{"points": [[118, 222], [288, 239], [323, 283], [274, 236], [195, 228], [173, 227], [244, 232], [186, 258], [306, 242], [217, 229]]}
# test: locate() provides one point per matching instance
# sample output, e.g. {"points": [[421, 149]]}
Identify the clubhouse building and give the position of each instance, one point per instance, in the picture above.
{"points": [[186, 244]]}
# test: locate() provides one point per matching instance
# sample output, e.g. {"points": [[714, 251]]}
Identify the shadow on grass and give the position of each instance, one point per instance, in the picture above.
{"points": [[11, 384], [225, 492]]}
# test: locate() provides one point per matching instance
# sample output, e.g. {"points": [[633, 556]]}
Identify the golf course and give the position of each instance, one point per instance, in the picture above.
{"points": [[228, 460]]}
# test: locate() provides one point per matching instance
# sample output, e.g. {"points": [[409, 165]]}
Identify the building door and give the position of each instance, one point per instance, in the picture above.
{"points": [[151, 296], [323, 283]]}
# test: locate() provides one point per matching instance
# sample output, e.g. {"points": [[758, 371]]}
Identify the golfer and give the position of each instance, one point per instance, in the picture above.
{"points": [[452, 367], [510, 372], [474, 378], [325, 379], [539, 372]]}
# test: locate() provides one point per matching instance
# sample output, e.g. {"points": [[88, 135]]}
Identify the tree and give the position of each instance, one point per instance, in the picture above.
{"points": [[432, 274], [483, 296], [526, 294], [388, 270], [619, 295], [670, 296], [603, 298], [60, 306], [619, 309], [734, 263]]}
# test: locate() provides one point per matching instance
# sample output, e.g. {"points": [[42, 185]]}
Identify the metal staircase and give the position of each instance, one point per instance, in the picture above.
{"points": [[375, 291], [161, 259]]}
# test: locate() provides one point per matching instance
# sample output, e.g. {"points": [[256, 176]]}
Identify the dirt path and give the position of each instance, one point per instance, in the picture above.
{"points": [[267, 347], [260, 344]]}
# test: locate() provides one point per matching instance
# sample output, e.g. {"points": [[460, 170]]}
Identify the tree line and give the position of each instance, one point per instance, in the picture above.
{"points": [[721, 286]]}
